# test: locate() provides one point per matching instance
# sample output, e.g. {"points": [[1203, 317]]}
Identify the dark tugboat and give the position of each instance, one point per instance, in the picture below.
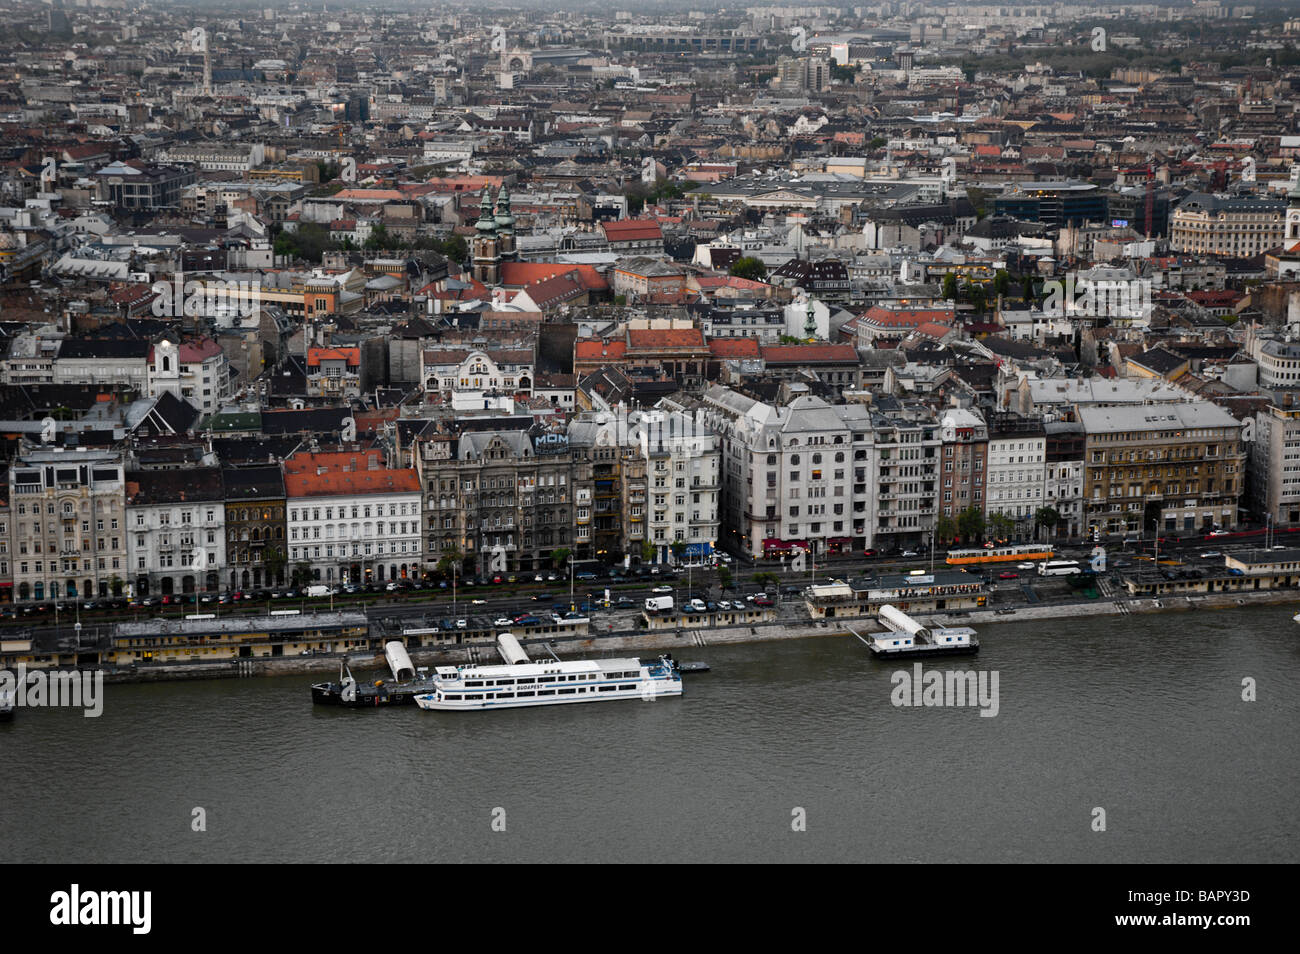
{"points": [[684, 666], [349, 694]]}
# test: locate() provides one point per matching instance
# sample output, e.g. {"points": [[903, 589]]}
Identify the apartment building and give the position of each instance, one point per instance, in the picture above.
{"points": [[798, 477], [256, 508], [600, 453], [194, 371], [682, 483], [1231, 226], [1275, 463], [351, 518], [500, 500], [67, 523], [1177, 467], [1063, 483], [334, 372], [965, 439], [907, 445], [175, 529], [1017, 469]]}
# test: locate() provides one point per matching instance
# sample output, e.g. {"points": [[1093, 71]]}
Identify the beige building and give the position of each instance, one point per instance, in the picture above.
{"points": [[1235, 227], [67, 518], [1166, 469]]}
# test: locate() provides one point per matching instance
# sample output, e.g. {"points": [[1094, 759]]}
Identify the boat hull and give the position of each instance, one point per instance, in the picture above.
{"points": [[331, 694], [927, 651], [430, 701]]}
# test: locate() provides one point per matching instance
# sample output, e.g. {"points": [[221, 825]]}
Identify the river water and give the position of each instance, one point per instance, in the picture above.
{"points": [[1142, 717]]}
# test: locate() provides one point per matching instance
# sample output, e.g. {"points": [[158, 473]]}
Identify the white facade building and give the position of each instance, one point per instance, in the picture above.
{"points": [[197, 372], [1017, 471], [351, 519], [175, 531]]}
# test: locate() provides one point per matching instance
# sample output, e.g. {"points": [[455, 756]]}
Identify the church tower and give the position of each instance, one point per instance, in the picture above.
{"points": [[487, 249], [505, 223], [1292, 216]]}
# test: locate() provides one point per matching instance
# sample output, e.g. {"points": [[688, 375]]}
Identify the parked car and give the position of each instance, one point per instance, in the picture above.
{"points": [[908, 553], [662, 589], [869, 552], [502, 621], [762, 599], [1210, 554], [462, 623], [1008, 575]]}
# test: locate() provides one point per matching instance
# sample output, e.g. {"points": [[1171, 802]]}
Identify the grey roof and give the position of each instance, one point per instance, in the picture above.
{"points": [[473, 444], [1141, 417]]}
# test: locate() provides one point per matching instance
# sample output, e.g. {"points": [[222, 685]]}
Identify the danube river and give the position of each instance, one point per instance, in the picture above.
{"points": [[1142, 717]]}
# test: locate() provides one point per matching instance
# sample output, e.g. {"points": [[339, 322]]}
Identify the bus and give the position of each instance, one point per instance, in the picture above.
{"points": [[1012, 553], [1059, 568]]}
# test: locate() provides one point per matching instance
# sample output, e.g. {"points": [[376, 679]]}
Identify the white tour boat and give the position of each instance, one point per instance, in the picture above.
{"points": [[521, 683]]}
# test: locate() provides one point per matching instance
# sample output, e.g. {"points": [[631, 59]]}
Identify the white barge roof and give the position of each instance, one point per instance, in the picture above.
{"points": [[541, 668]]}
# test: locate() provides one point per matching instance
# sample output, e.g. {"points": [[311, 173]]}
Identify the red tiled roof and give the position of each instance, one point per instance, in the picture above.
{"points": [[632, 230], [587, 349], [345, 473], [553, 291], [351, 355], [810, 353], [191, 352], [734, 347], [906, 317], [523, 274], [658, 338], [933, 329]]}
